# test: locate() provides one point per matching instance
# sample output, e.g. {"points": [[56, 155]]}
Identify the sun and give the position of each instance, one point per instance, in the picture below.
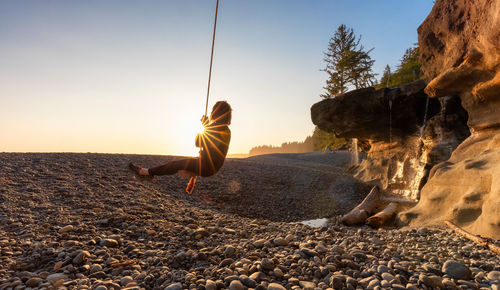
{"points": [[199, 128], [191, 127]]}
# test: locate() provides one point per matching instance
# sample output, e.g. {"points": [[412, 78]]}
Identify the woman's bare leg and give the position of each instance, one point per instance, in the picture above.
{"points": [[187, 167]]}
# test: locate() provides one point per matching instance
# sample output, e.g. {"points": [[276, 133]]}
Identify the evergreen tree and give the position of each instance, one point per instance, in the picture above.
{"points": [[321, 139], [409, 68], [385, 81], [347, 63], [362, 74]]}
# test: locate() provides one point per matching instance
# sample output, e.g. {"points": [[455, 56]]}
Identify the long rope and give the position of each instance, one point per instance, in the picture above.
{"points": [[211, 57]]}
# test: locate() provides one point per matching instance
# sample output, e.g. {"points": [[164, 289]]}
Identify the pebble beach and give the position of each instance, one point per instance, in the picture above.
{"points": [[84, 221]]}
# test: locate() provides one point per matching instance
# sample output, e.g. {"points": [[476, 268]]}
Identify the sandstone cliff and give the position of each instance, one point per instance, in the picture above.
{"points": [[403, 131], [460, 46], [460, 53]]}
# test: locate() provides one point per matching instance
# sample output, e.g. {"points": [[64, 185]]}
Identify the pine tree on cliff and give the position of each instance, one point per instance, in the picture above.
{"points": [[320, 139], [347, 63], [385, 81], [409, 69]]}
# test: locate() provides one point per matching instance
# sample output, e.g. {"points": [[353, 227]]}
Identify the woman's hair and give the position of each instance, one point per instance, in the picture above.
{"points": [[221, 113]]}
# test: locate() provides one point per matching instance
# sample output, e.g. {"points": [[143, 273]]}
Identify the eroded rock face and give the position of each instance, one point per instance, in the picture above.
{"points": [[460, 46], [464, 189], [390, 121], [460, 53], [376, 115]]}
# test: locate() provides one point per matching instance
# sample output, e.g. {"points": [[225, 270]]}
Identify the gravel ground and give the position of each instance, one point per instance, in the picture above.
{"points": [[83, 221]]}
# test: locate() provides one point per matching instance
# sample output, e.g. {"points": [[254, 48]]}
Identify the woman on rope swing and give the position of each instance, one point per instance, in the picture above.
{"points": [[213, 144]]}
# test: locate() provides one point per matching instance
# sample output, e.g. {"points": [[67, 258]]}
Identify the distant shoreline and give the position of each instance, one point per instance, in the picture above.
{"points": [[236, 155]]}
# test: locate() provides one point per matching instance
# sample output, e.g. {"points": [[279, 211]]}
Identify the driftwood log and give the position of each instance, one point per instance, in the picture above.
{"points": [[476, 239], [381, 217], [367, 207]]}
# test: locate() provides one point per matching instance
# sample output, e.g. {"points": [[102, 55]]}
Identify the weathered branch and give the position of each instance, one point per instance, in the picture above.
{"points": [[476, 239], [123, 264], [382, 216], [366, 208]]}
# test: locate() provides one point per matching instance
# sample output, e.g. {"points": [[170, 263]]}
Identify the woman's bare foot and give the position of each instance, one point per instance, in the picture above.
{"points": [[139, 170], [190, 185]]}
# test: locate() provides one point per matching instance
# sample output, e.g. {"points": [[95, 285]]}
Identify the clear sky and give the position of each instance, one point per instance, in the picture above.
{"points": [[122, 76]]}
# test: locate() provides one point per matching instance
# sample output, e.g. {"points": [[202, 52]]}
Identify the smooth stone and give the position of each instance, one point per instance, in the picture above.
{"points": [[469, 284], [110, 243], [290, 237], [493, 276], [230, 279], [65, 229], [423, 231], [277, 272], [320, 248], [447, 282], [174, 286], [280, 241], [55, 277], [229, 251], [98, 275], [383, 269], [229, 231], [308, 252], [338, 249], [374, 283], [95, 268], [267, 264], [293, 281], [236, 285], [226, 262], [125, 280], [457, 270], [337, 281], [34, 282], [210, 285], [247, 281], [307, 284], [398, 287], [58, 265], [275, 286], [81, 257], [220, 284], [387, 276], [349, 280], [259, 243], [365, 281], [101, 287], [431, 281], [431, 269], [202, 232], [258, 276], [385, 284]]}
